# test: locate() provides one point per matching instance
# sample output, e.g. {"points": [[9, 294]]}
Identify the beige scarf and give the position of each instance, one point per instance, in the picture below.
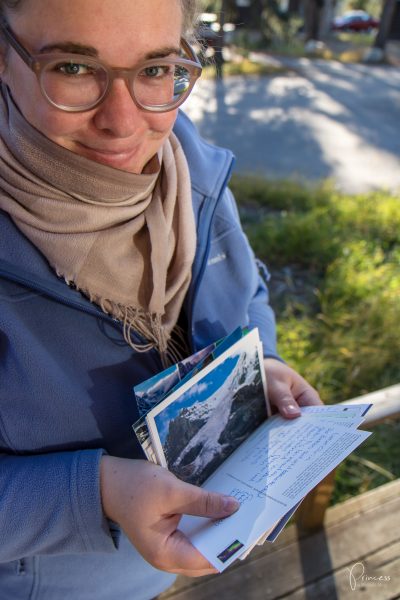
{"points": [[126, 241]]}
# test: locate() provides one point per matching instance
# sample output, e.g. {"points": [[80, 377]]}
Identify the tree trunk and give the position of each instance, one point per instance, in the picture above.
{"points": [[326, 18], [386, 22], [294, 7], [256, 10], [312, 16], [219, 44]]}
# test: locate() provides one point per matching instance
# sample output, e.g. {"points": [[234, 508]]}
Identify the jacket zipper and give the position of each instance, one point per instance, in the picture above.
{"points": [[21, 570], [205, 221]]}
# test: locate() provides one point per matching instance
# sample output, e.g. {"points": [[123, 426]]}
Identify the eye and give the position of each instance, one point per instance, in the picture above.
{"points": [[157, 71], [74, 69]]}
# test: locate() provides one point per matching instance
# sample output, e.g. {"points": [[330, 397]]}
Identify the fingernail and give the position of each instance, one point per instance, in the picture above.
{"points": [[230, 504], [291, 409]]}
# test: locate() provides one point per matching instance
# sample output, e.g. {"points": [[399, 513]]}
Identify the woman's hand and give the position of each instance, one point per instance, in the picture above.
{"points": [[287, 390], [148, 501]]}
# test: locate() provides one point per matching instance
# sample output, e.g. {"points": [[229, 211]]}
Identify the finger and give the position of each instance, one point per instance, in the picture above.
{"points": [[196, 573], [308, 397], [181, 552], [287, 406], [196, 501], [191, 500]]}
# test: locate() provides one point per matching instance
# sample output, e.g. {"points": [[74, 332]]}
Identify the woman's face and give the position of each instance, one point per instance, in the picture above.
{"points": [[123, 33]]}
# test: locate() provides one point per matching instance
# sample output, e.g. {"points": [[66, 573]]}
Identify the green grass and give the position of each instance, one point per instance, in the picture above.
{"points": [[339, 325], [351, 52], [293, 48], [357, 39], [243, 67], [345, 47]]}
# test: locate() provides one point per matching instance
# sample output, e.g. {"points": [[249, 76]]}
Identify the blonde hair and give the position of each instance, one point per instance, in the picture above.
{"points": [[190, 12]]}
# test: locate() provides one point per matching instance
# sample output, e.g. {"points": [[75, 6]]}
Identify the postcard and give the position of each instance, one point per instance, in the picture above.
{"points": [[207, 357], [269, 474], [151, 392], [345, 411], [196, 428]]}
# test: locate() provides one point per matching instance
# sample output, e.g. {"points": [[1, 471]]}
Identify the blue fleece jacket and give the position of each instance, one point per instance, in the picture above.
{"points": [[66, 378]]}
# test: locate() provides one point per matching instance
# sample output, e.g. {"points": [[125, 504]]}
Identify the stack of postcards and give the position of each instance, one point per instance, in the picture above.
{"points": [[207, 419]]}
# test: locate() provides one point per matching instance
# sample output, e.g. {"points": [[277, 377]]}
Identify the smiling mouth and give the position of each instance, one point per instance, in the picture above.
{"points": [[120, 159]]}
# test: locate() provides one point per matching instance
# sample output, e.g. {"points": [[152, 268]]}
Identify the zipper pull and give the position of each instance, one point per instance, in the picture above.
{"points": [[21, 567]]}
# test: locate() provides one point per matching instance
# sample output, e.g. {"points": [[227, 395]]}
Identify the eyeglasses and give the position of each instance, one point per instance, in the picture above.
{"points": [[76, 83]]}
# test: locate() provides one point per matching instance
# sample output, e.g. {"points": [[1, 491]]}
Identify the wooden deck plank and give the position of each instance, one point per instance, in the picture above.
{"points": [[377, 577], [365, 528], [363, 503]]}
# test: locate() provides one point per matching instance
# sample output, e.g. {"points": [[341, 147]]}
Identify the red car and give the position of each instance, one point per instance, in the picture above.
{"points": [[355, 20]]}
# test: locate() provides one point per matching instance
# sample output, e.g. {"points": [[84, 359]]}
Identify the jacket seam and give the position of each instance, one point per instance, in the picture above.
{"points": [[74, 498]]}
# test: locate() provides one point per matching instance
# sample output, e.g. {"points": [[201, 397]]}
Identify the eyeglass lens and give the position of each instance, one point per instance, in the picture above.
{"points": [[75, 85]]}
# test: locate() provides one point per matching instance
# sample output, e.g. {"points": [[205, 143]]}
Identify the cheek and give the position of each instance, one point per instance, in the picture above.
{"points": [[60, 127], [161, 123], [28, 96], [56, 124]]}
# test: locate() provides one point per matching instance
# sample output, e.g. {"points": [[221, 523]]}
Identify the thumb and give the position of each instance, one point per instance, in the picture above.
{"points": [[203, 503], [287, 406]]}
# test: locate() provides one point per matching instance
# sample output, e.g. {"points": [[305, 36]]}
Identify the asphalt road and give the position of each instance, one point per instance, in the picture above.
{"points": [[321, 120]]}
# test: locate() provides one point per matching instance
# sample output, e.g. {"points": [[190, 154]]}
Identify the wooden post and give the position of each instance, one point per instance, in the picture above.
{"points": [[311, 512]]}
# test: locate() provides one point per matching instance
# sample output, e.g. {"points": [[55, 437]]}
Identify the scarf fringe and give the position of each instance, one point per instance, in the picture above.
{"points": [[172, 348]]}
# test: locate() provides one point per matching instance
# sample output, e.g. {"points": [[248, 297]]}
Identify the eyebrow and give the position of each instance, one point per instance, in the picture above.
{"points": [[70, 48], [74, 48]]}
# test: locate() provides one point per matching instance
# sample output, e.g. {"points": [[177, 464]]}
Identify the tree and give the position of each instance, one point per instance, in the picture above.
{"points": [[387, 15], [312, 19]]}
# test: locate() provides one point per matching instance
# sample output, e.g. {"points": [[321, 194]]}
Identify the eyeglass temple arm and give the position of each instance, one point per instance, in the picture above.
{"points": [[189, 51], [26, 57]]}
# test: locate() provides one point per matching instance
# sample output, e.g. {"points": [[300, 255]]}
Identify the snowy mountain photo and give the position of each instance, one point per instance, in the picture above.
{"points": [[214, 415]]}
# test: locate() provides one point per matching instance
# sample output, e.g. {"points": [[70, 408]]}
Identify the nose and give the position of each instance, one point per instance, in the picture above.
{"points": [[118, 114]]}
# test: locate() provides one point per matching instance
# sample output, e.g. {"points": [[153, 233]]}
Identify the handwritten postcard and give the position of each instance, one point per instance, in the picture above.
{"points": [[269, 474]]}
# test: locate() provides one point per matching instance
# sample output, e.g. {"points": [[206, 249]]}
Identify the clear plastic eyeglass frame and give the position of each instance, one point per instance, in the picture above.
{"points": [[41, 63]]}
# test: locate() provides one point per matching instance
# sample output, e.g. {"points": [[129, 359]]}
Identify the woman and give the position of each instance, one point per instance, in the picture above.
{"points": [[117, 234]]}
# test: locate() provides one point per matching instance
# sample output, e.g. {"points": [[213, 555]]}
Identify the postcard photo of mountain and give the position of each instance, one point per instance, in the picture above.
{"points": [[201, 424]]}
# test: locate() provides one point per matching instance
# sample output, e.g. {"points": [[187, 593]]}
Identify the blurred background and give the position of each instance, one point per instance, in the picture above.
{"points": [[277, 24], [303, 88], [306, 93]]}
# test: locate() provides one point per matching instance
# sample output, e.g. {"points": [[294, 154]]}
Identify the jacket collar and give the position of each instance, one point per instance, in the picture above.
{"points": [[209, 165]]}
